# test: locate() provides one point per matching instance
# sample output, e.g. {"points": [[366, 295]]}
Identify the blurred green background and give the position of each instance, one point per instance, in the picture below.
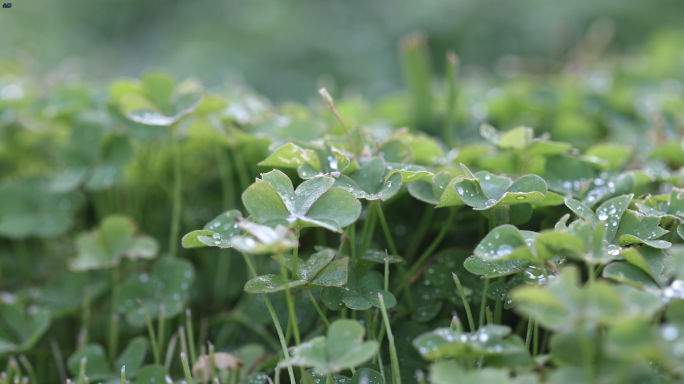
{"points": [[284, 48]]}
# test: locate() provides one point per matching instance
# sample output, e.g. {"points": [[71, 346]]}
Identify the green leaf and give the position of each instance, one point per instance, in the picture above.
{"points": [[611, 212], [29, 208], [379, 257], [448, 343], [273, 200], [270, 284], [166, 286], [409, 172], [551, 200], [614, 154], [368, 182], [117, 152], [97, 367], [216, 233], [114, 239], [488, 191], [358, 295], [343, 348], [517, 138], [291, 155], [638, 229], [320, 269], [133, 356], [627, 273], [20, 327], [504, 241], [262, 238], [565, 174], [151, 374], [581, 210], [491, 269]]}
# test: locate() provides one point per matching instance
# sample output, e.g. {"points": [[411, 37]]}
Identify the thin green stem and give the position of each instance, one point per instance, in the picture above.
{"points": [[170, 350], [161, 324], [212, 361], [456, 324], [29, 369], [498, 306], [328, 379], [490, 318], [290, 304], [82, 369], [419, 235], [591, 273], [150, 329], [393, 249], [113, 336], [295, 256], [276, 323], [464, 299], [186, 368], [183, 340], [588, 355], [352, 241], [483, 304], [177, 195], [535, 337], [528, 336], [450, 85], [191, 335], [221, 280], [435, 243], [396, 376], [368, 228], [123, 374], [225, 171], [491, 218], [241, 167], [318, 308]]}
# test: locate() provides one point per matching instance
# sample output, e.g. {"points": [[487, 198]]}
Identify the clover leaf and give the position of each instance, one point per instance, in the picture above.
{"points": [[29, 208], [358, 294], [448, 343], [156, 100], [165, 288], [273, 200], [97, 366], [230, 229], [310, 161], [497, 268], [376, 256], [562, 303], [447, 372], [21, 327], [114, 239], [216, 233], [343, 348], [368, 182], [440, 193], [319, 270]]}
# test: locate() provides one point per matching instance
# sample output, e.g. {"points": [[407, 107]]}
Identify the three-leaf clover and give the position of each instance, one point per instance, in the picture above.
{"points": [[358, 294], [114, 239], [343, 348], [483, 190], [166, 288], [29, 208], [156, 99], [97, 367], [231, 230], [272, 200], [449, 343], [319, 270], [369, 181], [311, 161], [20, 327]]}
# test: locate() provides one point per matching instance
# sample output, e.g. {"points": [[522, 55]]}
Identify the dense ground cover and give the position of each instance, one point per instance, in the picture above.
{"points": [[169, 227]]}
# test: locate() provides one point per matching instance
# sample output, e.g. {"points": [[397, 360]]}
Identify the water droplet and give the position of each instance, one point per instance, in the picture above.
{"points": [[602, 216], [459, 190], [487, 177], [504, 249], [521, 197], [483, 337], [670, 332], [489, 202], [389, 184]]}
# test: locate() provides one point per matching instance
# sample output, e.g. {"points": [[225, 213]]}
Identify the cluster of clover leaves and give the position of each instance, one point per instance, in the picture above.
{"points": [[612, 235]]}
